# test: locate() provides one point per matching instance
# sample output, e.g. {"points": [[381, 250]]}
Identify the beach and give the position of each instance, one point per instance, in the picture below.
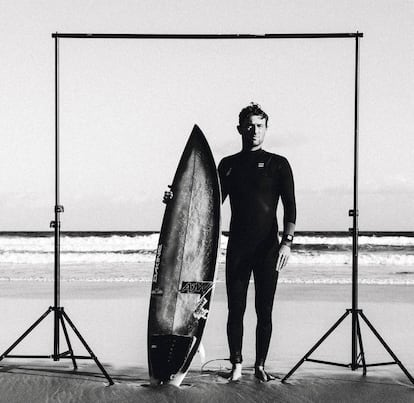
{"points": [[112, 317], [304, 106]]}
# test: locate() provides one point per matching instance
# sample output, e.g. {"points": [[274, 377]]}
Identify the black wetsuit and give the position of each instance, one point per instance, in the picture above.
{"points": [[254, 181]]}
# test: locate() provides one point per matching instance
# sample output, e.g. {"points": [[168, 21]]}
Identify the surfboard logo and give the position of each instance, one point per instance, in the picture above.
{"points": [[196, 287], [201, 312], [157, 263]]}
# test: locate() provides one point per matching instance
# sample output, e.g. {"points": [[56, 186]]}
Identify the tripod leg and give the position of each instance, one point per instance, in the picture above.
{"points": [[65, 332], [361, 348], [385, 345], [93, 356], [4, 355], [319, 342]]}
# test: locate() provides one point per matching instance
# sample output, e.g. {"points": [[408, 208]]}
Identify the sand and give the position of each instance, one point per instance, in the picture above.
{"points": [[112, 318]]}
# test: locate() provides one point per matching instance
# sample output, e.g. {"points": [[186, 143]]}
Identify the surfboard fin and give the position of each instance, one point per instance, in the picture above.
{"points": [[177, 378], [202, 353]]}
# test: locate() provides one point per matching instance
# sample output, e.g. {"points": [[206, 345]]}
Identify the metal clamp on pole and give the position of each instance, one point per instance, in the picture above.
{"points": [[353, 213], [53, 224], [59, 209]]}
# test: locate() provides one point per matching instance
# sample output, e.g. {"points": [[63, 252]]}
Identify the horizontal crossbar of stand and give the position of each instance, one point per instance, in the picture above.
{"points": [[27, 356], [208, 36], [65, 356], [328, 363], [379, 364], [78, 357]]}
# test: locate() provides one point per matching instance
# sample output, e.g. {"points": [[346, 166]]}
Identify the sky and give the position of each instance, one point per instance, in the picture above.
{"points": [[127, 107]]}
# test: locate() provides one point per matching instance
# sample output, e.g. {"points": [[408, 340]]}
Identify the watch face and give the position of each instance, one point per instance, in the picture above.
{"points": [[289, 237]]}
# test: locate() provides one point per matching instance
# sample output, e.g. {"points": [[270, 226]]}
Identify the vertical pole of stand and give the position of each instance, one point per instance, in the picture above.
{"points": [[355, 229], [57, 211]]}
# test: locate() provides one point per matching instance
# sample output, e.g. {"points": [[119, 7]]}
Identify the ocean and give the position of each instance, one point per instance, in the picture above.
{"points": [[317, 257]]}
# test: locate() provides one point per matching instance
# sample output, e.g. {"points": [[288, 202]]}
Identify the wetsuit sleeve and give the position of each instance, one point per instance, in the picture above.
{"points": [[223, 180], [288, 194]]}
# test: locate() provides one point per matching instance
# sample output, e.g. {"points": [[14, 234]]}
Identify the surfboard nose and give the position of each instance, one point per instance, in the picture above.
{"points": [[198, 142], [197, 136]]}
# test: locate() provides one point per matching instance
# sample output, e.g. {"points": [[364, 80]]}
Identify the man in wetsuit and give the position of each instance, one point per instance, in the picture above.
{"points": [[254, 180]]}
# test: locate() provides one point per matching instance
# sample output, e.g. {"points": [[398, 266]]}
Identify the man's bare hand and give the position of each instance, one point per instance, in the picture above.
{"points": [[168, 195], [284, 254]]}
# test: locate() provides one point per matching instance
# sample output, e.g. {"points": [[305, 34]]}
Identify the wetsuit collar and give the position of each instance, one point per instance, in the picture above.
{"points": [[253, 152]]}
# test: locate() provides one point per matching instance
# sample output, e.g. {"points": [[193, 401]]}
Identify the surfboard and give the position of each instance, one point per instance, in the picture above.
{"points": [[185, 263]]}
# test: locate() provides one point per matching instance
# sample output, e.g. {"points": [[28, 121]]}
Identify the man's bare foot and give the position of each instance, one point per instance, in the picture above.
{"points": [[236, 372], [262, 375]]}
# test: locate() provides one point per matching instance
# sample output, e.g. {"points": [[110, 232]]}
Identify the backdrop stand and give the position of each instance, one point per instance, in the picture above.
{"points": [[357, 358], [59, 315]]}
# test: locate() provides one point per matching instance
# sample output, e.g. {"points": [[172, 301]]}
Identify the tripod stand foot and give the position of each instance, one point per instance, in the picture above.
{"points": [[88, 349], [70, 350], [357, 337], [26, 333], [387, 348], [60, 319], [318, 343]]}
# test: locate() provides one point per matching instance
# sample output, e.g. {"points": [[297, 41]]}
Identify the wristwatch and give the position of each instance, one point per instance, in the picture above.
{"points": [[287, 240]]}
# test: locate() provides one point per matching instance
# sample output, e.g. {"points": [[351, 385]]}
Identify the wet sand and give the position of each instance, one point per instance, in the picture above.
{"points": [[112, 317]]}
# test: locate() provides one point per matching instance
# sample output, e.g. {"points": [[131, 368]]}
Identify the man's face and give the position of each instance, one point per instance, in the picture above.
{"points": [[253, 131]]}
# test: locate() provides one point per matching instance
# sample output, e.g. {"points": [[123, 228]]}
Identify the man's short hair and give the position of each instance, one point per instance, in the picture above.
{"points": [[252, 109]]}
